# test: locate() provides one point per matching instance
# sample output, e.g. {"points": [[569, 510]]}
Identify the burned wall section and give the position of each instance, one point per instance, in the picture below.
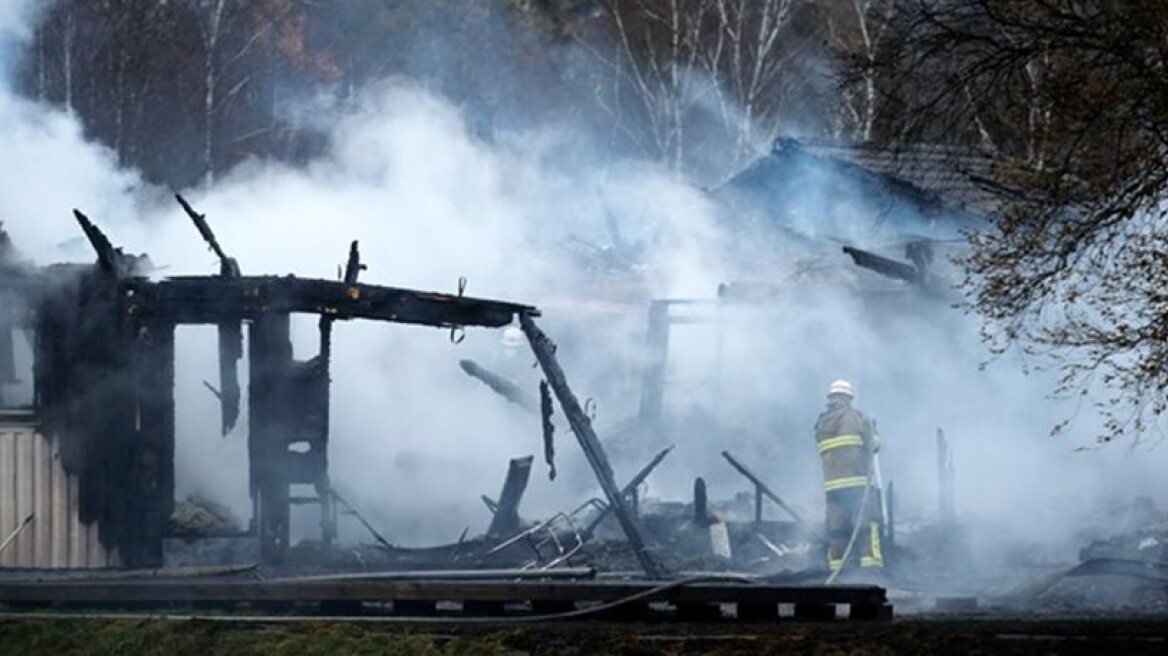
{"points": [[288, 429], [104, 381], [104, 378]]}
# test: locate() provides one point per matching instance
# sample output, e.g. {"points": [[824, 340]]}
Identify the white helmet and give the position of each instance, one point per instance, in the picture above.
{"points": [[841, 386], [512, 337]]}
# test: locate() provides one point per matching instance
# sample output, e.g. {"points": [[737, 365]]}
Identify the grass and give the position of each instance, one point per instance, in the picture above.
{"points": [[58, 636], [153, 637]]}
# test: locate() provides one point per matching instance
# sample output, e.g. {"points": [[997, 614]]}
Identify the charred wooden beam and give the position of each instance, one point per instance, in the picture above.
{"points": [[207, 299], [151, 479], [499, 385], [759, 485], [871, 601], [107, 259], [353, 267], [885, 266], [228, 266], [629, 489], [506, 522], [230, 330], [113, 262], [549, 429], [269, 358], [581, 425], [657, 348]]}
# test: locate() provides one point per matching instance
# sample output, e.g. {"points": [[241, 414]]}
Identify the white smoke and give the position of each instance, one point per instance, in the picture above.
{"points": [[415, 442]]}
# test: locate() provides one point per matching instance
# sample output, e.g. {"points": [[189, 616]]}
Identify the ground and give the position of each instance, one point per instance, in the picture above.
{"points": [[205, 637]]}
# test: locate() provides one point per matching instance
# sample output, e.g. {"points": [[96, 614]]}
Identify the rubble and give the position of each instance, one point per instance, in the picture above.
{"points": [[197, 517]]}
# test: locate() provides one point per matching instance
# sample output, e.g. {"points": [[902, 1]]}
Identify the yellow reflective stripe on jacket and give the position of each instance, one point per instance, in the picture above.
{"points": [[874, 544], [846, 482], [851, 439]]}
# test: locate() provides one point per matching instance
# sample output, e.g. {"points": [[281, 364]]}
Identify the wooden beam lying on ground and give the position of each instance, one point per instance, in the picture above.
{"points": [[865, 598]]}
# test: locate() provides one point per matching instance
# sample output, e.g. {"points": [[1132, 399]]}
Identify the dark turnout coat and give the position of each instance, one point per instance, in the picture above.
{"points": [[845, 441]]}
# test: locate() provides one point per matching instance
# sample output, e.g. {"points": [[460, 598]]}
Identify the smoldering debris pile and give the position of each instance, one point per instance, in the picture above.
{"points": [[720, 538], [197, 517], [1144, 535]]}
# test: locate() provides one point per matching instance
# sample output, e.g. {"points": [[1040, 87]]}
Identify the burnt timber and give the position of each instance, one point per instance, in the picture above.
{"points": [[104, 377], [545, 353], [752, 601], [210, 299]]}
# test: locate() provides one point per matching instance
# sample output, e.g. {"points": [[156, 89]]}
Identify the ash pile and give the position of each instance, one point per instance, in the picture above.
{"points": [[1122, 566]]}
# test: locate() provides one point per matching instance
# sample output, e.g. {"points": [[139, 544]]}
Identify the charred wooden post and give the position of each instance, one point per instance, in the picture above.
{"points": [[629, 489], [269, 360], [288, 430], [657, 347], [581, 425], [549, 429], [230, 330], [506, 521], [323, 364], [760, 487], [103, 381], [946, 491], [153, 450], [701, 506]]}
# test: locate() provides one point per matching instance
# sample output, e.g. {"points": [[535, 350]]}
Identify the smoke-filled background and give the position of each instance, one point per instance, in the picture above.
{"points": [[403, 163]]}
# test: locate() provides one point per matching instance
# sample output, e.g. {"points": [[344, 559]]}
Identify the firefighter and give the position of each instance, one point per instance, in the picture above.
{"points": [[846, 444]]}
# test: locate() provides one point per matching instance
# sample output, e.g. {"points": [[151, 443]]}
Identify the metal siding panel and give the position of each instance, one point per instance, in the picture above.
{"points": [[33, 481], [59, 508], [93, 550], [42, 503], [76, 528], [26, 474], [7, 493]]}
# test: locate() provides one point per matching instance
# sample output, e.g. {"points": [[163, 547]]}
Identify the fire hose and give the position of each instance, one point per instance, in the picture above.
{"points": [[856, 524]]}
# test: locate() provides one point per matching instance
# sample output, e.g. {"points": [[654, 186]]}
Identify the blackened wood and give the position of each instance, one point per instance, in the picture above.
{"points": [[210, 299], [549, 429], [759, 485], [653, 381], [810, 601], [506, 521], [498, 384], [815, 611], [153, 452], [269, 358], [581, 425], [629, 489]]}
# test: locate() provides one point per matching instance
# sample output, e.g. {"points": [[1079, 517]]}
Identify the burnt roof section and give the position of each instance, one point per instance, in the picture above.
{"points": [[957, 177], [942, 184]]}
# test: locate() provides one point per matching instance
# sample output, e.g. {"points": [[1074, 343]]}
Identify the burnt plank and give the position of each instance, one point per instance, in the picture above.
{"points": [[545, 353], [211, 299], [806, 598]]}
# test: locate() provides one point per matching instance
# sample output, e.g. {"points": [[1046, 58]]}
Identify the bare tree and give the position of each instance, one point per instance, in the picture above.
{"points": [[690, 65], [858, 29], [214, 19], [1075, 93]]}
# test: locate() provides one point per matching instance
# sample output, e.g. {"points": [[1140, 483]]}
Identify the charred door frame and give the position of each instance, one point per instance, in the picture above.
{"points": [[288, 400]]}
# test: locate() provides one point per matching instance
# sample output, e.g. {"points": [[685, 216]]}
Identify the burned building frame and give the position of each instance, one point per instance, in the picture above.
{"points": [[104, 378]]}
